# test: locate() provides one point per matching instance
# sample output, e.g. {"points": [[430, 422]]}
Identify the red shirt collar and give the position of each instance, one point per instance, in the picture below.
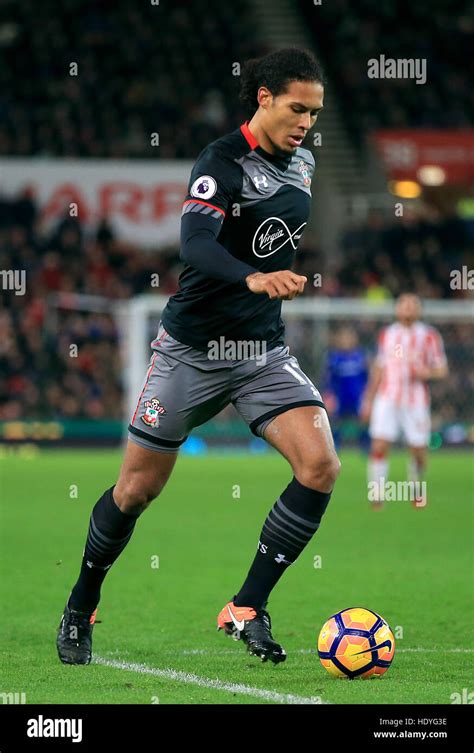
{"points": [[250, 138], [277, 159]]}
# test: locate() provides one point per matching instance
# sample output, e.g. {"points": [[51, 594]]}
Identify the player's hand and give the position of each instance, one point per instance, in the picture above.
{"points": [[283, 284], [420, 373], [365, 411]]}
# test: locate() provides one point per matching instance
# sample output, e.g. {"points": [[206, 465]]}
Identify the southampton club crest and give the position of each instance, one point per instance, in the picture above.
{"points": [[303, 168], [153, 411]]}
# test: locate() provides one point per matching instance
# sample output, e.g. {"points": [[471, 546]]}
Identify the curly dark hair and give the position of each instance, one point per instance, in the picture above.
{"points": [[275, 71]]}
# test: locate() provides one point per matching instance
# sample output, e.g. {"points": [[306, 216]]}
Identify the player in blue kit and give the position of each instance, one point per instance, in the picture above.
{"points": [[221, 341], [346, 379]]}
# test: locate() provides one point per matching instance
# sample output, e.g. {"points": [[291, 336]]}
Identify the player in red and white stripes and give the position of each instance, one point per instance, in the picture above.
{"points": [[410, 354]]}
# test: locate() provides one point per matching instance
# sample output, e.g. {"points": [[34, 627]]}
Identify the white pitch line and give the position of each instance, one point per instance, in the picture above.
{"points": [[205, 682]]}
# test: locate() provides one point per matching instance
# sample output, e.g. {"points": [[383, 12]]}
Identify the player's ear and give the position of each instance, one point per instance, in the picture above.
{"points": [[264, 97]]}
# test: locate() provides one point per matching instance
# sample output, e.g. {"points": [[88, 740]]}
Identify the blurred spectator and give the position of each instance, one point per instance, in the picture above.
{"points": [[345, 380], [346, 372]]}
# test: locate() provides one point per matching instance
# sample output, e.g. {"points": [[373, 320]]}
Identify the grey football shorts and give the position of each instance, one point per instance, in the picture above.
{"points": [[184, 388]]}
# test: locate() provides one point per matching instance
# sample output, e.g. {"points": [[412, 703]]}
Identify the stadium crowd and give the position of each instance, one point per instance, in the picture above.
{"points": [[85, 100], [39, 377], [111, 103], [383, 256], [350, 34]]}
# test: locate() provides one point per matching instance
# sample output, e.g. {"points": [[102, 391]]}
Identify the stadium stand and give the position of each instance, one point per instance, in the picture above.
{"points": [[114, 103], [349, 34], [109, 111]]}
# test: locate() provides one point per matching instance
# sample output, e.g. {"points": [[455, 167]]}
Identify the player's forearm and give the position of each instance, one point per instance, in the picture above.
{"points": [[373, 385], [434, 374], [441, 373], [205, 254]]}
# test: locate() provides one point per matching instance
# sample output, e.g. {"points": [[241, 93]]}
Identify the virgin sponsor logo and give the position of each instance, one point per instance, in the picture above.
{"points": [[272, 234]]}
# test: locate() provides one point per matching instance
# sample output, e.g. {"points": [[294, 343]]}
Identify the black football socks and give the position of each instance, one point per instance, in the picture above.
{"points": [[109, 533], [290, 525]]}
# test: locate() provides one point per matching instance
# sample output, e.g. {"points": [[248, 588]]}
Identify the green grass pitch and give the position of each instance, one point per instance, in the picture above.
{"points": [[412, 566]]}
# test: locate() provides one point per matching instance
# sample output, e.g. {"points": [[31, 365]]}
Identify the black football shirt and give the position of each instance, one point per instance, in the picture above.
{"points": [[257, 205]]}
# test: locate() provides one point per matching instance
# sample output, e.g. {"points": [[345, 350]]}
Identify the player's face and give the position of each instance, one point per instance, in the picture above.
{"points": [[347, 339], [290, 115], [408, 308]]}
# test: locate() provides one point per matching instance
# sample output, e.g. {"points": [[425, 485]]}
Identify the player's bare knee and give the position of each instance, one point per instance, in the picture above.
{"points": [[379, 449], [320, 473], [330, 470], [134, 494]]}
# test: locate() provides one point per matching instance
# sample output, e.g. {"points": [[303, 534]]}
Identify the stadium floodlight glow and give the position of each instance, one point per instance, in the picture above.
{"points": [[431, 175], [405, 189]]}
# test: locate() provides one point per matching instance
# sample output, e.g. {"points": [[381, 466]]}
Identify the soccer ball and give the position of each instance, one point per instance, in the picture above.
{"points": [[356, 643]]}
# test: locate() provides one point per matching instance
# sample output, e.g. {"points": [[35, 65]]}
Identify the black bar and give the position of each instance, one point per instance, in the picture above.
{"points": [[291, 727]]}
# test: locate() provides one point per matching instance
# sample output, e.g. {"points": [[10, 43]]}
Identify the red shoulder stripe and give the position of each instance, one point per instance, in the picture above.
{"points": [[206, 203]]}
